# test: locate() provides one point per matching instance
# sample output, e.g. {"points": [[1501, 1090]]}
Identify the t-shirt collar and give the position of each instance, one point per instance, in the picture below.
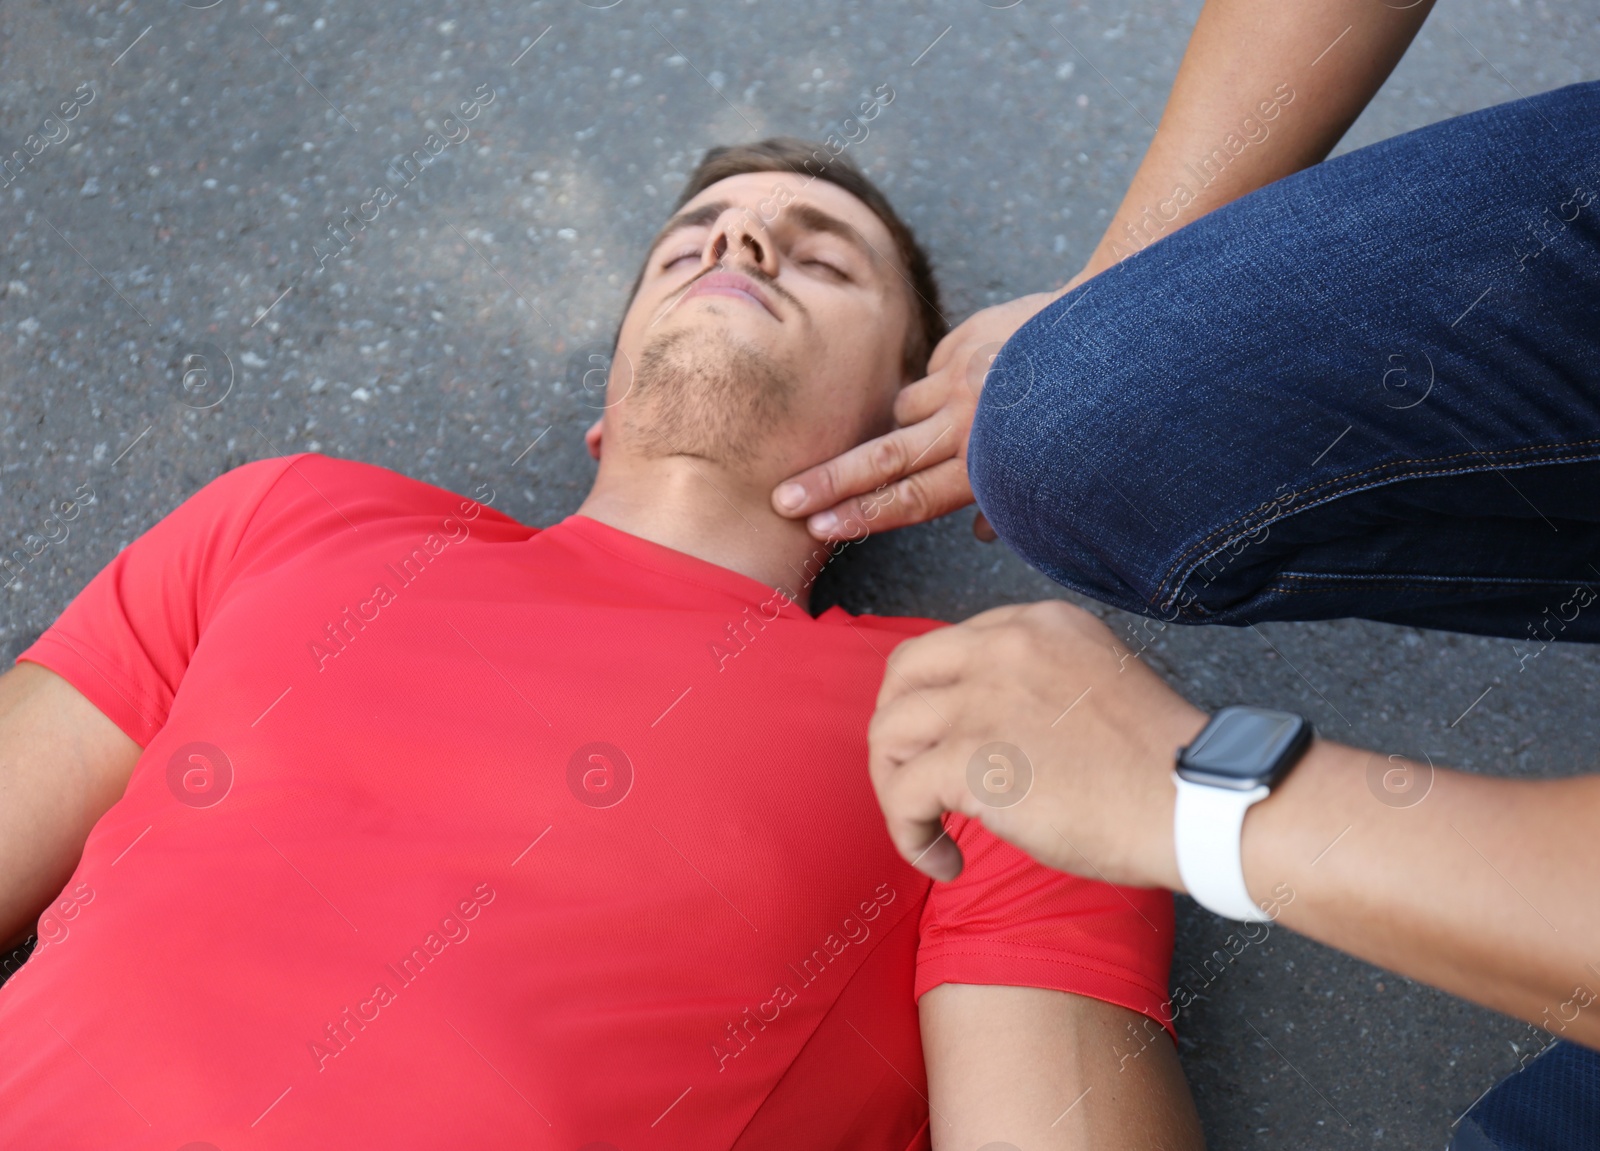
{"points": [[678, 565]]}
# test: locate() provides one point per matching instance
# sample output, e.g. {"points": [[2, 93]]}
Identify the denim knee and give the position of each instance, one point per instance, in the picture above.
{"points": [[1240, 421], [1053, 458]]}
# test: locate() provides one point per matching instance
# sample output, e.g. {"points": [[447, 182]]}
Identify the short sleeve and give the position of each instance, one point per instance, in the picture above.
{"points": [[126, 639], [1008, 920]]}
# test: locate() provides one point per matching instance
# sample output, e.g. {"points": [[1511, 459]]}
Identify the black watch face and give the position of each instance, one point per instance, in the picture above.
{"points": [[1245, 746]]}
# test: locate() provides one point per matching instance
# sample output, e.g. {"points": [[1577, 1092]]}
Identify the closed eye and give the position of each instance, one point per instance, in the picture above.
{"points": [[673, 261], [826, 267]]}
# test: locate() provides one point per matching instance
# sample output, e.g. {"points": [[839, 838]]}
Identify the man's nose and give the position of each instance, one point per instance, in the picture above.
{"points": [[739, 238]]}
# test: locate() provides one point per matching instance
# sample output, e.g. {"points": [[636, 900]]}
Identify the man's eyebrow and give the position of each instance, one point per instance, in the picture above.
{"points": [[693, 218]]}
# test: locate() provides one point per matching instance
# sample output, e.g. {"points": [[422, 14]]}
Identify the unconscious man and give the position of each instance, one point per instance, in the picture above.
{"points": [[362, 815]]}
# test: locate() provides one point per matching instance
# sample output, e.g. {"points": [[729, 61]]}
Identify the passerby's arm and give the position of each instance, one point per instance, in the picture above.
{"points": [[1264, 90], [1481, 886], [1484, 886]]}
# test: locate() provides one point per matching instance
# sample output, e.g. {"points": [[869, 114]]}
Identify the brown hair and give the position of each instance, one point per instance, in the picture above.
{"points": [[788, 154]]}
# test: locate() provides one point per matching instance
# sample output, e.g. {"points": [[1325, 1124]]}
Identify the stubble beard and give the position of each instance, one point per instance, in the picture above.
{"points": [[705, 394]]}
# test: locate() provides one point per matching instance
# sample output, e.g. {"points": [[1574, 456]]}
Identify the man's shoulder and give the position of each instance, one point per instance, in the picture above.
{"points": [[358, 475], [263, 512], [350, 490]]}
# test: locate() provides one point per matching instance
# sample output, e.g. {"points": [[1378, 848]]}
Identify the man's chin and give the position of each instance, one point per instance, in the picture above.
{"points": [[707, 393]]}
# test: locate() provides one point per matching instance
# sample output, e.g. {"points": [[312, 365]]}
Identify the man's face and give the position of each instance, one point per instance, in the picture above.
{"points": [[768, 331]]}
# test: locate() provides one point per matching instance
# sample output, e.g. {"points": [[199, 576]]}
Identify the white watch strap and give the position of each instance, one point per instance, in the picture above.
{"points": [[1207, 824]]}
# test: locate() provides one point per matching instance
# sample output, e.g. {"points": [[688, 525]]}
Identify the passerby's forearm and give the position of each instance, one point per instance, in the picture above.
{"points": [[1481, 886], [1264, 90]]}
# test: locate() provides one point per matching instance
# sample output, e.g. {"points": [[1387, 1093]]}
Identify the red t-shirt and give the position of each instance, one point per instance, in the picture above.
{"points": [[453, 832]]}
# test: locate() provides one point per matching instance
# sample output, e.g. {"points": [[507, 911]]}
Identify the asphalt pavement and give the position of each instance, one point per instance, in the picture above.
{"points": [[184, 207]]}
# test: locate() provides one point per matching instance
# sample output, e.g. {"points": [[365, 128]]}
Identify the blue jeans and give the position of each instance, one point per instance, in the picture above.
{"points": [[1552, 1104], [1370, 389]]}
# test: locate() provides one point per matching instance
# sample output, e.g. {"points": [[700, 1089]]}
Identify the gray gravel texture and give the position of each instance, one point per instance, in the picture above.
{"points": [[189, 203]]}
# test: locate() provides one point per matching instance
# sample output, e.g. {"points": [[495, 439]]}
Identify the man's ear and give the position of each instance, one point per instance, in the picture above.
{"points": [[591, 438]]}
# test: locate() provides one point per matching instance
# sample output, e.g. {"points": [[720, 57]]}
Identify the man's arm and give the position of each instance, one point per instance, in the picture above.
{"points": [[62, 764], [1048, 1071], [1484, 887], [1265, 89]]}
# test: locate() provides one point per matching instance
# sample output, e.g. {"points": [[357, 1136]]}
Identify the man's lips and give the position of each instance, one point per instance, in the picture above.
{"points": [[732, 284]]}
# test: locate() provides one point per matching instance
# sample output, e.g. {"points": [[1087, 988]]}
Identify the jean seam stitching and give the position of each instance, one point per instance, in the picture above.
{"points": [[1401, 585], [1412, 580], [1157, 596]]}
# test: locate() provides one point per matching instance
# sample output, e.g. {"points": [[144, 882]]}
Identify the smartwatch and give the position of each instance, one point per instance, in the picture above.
{"points": [[1233, 764]]}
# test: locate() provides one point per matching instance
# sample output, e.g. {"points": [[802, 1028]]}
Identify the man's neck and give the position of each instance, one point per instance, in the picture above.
{"points": [[702, 509]]}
